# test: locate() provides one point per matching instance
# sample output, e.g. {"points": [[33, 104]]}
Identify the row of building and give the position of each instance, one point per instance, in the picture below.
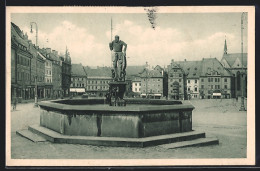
{"points": [[37, 70], [52, 75], [207, 78]]}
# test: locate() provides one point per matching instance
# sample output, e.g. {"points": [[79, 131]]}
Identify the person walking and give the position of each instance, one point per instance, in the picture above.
{"points": [[14, 103]]}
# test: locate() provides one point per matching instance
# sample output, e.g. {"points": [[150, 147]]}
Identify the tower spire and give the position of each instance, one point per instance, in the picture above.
{"points": [[225, 46]]}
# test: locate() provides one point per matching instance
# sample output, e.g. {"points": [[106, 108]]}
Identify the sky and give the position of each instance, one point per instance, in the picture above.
{"points": [[178, 36]]}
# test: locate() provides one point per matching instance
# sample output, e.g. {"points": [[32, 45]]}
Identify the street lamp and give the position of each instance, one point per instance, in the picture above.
{"points": [[35, 90], [242, 108]]}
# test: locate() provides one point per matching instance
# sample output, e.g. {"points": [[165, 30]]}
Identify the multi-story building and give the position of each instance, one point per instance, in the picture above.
{"points": [[48, 90], [37, 71], [176, 82], [151, 83], [78, 79], [56, 75], [192, 71], [237, 64], [215, 80], [97, 81], [134, 81], [136, 84], [20, 64], [66, 73]]}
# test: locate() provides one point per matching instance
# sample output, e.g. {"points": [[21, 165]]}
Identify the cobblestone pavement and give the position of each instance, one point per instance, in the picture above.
{"points": [[218, 118]]}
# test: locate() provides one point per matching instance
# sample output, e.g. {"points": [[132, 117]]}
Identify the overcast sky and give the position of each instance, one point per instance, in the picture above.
{"points": [[176, 36]]}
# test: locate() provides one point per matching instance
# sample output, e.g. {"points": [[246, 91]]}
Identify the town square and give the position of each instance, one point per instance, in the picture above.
{"points": [[152, 84]]}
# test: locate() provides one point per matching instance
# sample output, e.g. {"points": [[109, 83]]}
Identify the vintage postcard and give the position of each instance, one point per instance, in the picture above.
{"points": [[130, 86]]}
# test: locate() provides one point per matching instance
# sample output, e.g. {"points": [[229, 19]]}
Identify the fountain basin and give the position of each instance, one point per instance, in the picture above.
{"points": [[138, 119]]}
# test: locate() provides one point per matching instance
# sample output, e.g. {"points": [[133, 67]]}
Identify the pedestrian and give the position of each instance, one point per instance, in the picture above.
{"points": [[14, 103], [237, 98]]}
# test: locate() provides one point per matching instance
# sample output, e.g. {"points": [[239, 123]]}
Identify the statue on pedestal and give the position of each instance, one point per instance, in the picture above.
{"points": [[118, 59]]}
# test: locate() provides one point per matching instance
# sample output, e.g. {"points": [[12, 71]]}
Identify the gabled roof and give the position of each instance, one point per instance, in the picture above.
{"points": [[191, 68], [77, 70], [231, 58], [150, 73], [210, 65]]}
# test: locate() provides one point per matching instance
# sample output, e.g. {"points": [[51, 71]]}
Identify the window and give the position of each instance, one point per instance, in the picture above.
{"points": [[225, 80], [139, 84], [139, 89], [216, 86], [188, 89], [135, 89], [211, 80], [211, 86], [196, 89], [135, 84], [188, 81], [216, 80], [202, 86], [179, 80], [208, 79], [195, 81], [180, 75]]}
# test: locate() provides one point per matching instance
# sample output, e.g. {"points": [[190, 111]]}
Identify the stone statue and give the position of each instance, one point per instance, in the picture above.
{"points": [[118, 59]]}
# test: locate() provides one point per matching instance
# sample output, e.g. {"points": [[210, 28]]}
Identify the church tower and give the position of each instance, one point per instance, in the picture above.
{"points": [[225, 47]]}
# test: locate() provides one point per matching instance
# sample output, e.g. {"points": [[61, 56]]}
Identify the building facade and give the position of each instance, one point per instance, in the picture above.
{"points": [[78, 79], [97, 81], [136, 84], [66, 73], [151, 83], [215, 80], [20, 65], [236, 63], [56, 75], [176, 82]]}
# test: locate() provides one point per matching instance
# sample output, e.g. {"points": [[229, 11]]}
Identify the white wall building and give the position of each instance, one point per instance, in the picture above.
{"points": [[136, 86], [193, 87]]}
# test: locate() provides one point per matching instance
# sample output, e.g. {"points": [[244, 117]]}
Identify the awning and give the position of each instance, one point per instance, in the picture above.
{"points": [[216, 94], [77, 90], [151, 94]]}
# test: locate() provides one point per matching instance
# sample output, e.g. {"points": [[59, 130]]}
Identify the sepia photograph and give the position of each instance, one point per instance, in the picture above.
{"points": [[130, 86]]}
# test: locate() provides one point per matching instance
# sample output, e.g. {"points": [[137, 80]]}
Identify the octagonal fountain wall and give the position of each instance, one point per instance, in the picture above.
{"points": [[139, 118]]}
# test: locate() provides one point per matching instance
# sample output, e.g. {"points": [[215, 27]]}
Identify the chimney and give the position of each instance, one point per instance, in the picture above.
{"points": [[48, 50]]}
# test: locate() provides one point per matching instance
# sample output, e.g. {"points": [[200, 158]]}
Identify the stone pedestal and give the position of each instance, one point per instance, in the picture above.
{"points": [[116, 93]]}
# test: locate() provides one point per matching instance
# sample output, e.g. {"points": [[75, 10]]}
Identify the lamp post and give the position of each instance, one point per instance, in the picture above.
{"points": [[35, 79], [242, 107]]}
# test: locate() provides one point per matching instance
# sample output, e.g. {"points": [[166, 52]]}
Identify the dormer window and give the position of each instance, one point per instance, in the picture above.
{"points": [[195, 68]]}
